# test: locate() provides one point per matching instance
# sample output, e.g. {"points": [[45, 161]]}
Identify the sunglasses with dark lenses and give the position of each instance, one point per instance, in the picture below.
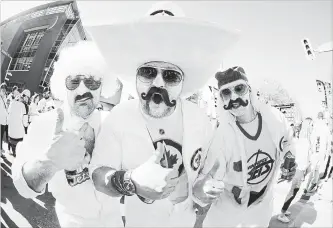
{"points": [[240, 90], [170, 77], [73, 82]]}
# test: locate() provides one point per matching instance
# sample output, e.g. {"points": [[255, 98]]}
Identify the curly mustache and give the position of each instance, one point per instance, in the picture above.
{"points": [[238, 100], [163, 92]]}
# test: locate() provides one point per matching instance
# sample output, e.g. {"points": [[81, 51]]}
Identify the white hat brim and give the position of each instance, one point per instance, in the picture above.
{"points": [[196, 47]]}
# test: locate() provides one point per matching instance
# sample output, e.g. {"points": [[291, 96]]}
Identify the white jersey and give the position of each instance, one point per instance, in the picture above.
{"points": [[261, 156], [16, 114]]}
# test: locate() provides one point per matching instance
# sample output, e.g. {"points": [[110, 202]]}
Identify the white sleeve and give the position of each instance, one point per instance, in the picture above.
{"points": [[108, 151], [33, 145], [216, 153]]}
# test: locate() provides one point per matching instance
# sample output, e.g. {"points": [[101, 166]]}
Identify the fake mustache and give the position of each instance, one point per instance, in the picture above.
{"points": [[83, 96], [162, 92], [237, 101]]}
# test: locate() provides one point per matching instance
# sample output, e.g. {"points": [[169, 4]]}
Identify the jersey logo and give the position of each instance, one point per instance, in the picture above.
{"points": [[76, 177], [261, 164], [196, 159], [173, 155]]}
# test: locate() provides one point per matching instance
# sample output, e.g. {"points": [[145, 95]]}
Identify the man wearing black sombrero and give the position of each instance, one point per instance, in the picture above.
{"points": [[151, 148]]}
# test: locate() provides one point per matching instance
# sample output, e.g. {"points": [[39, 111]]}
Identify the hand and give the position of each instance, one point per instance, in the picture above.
{"points": [[208, 189], [68, 149], [151, 180]]}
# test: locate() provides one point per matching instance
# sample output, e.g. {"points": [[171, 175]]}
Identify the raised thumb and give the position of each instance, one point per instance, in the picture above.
{"points": [[159, 153], [214, 169], [60, 121], [83, 129]]}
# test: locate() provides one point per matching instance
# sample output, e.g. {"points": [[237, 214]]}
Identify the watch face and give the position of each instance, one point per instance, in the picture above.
{"points": [[129, 187]]}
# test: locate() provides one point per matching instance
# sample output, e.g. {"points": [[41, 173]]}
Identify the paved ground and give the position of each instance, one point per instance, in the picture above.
{"points": [[17, 211]]}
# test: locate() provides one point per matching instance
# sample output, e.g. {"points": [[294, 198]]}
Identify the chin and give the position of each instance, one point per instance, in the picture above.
{"points": [[84, 111], [238, 112], [157, 110]]}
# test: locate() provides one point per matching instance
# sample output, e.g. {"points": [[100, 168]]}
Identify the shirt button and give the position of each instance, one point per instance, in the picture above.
{"points": [[162, 132]]}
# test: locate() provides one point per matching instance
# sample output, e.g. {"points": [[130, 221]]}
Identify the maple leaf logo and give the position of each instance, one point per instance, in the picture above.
{"points": [[170, 159]]}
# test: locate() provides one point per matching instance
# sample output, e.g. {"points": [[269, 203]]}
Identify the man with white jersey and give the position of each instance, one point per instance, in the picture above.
{"points": [[245, 154]]}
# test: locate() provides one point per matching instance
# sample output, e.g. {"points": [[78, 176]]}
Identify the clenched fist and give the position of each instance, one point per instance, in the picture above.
{"points": [[207, 189], [68, 148], [151, 180]]}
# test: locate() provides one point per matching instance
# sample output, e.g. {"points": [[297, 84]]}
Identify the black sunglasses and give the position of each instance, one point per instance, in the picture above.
{"points": [[148, 74], [73, 82], [240, 90]]}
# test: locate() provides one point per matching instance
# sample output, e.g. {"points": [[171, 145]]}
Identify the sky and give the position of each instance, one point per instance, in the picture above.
{"points": [[270, 45]]}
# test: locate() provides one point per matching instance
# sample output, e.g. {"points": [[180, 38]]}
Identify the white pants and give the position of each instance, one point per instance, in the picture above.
{"points": [[226, 213], [161, 213]]}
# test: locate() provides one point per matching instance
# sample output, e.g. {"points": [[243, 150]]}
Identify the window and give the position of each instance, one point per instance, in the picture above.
{"points": [[70, 13], [56, 9], [27, 49]]}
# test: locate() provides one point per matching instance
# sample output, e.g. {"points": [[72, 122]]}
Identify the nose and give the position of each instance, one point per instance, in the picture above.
{"points": [[233, 96], [81, 88], [158, 81]]}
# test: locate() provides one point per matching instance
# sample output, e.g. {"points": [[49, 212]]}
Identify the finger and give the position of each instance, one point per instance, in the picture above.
{"points": [[217, 184], [214, 192], [160, 187], [60, 121], [214, 169], [167, 191], [83, 129], [159, 153], [212, 197], [172, 181]]}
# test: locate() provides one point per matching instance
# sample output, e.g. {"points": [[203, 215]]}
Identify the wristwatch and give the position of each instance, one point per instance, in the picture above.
{"points": [[128, 183]]}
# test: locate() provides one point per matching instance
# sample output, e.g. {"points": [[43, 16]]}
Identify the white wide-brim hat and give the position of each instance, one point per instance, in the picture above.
{"points": [[196, 47]]}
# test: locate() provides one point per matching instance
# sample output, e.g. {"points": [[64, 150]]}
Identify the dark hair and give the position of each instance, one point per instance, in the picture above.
{"points": [[3, 86]]}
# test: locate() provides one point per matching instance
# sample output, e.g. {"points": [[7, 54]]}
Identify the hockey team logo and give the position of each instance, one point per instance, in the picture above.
{"points": [[260, 165], [173, 155], [196, 159]]}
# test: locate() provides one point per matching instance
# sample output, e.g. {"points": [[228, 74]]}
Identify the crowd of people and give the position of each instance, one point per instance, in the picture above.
{"points": [[18, 109], [156, 160]]}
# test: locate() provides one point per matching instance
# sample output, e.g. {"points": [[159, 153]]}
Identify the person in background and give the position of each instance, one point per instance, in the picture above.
{"points": [[33, 107], [320, 145], [304, 152], [3, 113], [46, 103], [13, 95], [26, 101], [17, 121]]}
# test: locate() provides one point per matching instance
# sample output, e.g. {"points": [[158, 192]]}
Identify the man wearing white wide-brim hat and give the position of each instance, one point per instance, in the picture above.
{"points": [[150, 149]]}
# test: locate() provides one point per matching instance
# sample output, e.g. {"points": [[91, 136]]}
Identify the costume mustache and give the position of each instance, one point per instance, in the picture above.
{"points": [[238, 100], [83, 96], [162, 92]]}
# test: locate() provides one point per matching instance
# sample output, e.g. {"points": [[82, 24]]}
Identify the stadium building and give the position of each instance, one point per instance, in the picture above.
{"points": [[31, 41]]}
